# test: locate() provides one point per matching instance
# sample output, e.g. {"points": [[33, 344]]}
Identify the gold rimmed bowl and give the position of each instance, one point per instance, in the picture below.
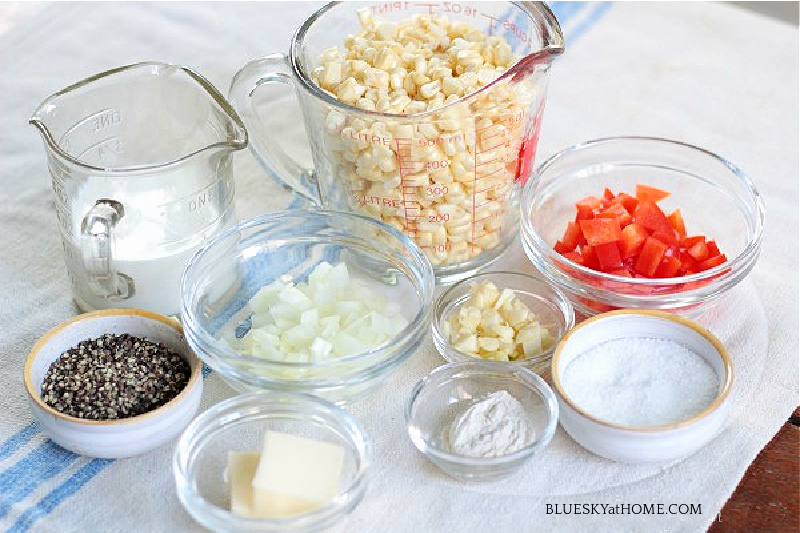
{"points": [[643, 444], [117, 438]]}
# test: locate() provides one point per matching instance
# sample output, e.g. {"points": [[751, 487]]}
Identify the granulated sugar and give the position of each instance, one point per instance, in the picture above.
{"points": [[641, 381]]}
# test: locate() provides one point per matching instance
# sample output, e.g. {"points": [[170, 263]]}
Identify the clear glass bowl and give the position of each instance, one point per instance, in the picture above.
{"points": [[238, 424], [223, 276], [440, 397], [716, 199], [549, 304]]}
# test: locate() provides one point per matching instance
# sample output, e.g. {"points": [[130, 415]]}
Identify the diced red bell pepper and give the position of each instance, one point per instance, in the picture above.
{"points": [[562, 248], [633, 237], [672, 251], [623, 217], [667, 237], [572, 237], [699, 251], [711, 262], [600, 230], [591, 202], [676, 221], [584, 213], [629, 202], [651, 217], [650, 257], [687, 261], [595, 305], [644, 192], [688, 242], [608, 256], [590, 257], [574, 256], [624, 272], [668, 267]]}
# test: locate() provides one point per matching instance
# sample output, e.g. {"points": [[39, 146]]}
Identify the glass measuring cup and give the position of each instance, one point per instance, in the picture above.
{"points": [[140, 161], [448, 177]]}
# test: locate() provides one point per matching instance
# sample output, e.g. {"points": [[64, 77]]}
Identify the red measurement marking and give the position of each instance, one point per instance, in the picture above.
{"points": [[493, 19], [411, 208], [496, 159], [490, 174], [432, 8], [492, 136], [474, 186], [495, 146], [485, 218]]}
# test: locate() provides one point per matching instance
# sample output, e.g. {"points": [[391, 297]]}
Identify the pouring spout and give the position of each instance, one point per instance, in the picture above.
{"points": [[552, 39]]}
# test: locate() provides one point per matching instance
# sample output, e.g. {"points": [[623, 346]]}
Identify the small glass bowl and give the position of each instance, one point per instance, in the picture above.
{"points": [[716, 199], [238, 424], [225, 274], [549, 304], [441, 396]]}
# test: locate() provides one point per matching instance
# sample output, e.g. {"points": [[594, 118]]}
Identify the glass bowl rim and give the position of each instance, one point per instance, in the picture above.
{"points": [[535, 11], [184, 455], [219, 350], [528, 377], [558, 297]]}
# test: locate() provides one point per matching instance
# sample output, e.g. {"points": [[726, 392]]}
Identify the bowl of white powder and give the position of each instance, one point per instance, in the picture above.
{"points": [[642, 386], [477, 422]]}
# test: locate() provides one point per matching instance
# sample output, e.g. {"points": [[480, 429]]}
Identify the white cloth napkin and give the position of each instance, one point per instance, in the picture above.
{"points": [[704, 73]]}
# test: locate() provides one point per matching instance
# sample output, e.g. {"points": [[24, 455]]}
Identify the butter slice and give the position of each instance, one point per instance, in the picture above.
{"points": [[250, 503], [296, 474], [241, 469]]}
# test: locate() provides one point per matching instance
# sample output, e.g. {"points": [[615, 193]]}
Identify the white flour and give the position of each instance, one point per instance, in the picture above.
{"points": [[493, 426]]}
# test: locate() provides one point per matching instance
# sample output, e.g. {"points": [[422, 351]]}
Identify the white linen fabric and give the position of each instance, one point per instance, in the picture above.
{"points": [[704, 73]]}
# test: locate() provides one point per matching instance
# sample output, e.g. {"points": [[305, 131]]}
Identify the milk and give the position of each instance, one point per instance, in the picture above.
{"points": [[153, 241]]}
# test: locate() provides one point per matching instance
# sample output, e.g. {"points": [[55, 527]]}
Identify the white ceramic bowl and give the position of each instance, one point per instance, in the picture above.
{"points": [[638, 444], [112, 438]]}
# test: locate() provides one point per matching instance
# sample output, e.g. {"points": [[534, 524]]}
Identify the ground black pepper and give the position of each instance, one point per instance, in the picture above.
{"points": [[114, 376]]}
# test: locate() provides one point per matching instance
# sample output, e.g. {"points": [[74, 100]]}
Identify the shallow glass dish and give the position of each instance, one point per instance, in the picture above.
{"points": [[440, 397], [549, 304], [224, 275], [716, 199], [200, 460]]}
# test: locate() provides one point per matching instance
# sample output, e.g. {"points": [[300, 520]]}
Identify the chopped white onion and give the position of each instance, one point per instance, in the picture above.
{"points": [[330, 316]]}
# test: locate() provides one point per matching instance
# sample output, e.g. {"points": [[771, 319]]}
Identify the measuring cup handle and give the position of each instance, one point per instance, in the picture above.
{"points": [[263, 139], [96, 245]]}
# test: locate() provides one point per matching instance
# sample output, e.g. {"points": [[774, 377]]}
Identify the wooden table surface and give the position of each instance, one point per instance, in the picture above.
{"points": [[768, 496]]}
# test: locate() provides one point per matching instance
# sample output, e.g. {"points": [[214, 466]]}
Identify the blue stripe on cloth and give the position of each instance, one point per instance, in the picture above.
{"points": [[599, 10], [25, 476], [565, 10], [46, 505], [18, 440]]}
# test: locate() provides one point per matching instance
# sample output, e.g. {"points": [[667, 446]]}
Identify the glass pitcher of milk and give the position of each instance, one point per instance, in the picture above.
{"points": [[140, 160]]}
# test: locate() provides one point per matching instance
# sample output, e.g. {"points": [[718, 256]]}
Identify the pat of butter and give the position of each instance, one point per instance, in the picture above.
{"points": [[295, 472], [241, 469], [250, 503]]}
